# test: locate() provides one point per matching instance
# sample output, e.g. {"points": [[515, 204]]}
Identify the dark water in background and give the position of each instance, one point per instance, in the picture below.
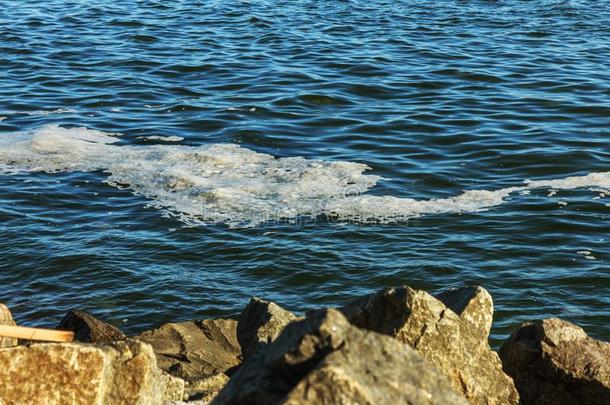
{"points": [[437, 97]]}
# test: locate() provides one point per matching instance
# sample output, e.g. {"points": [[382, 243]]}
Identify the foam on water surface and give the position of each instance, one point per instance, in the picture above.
{"points": [[226, 183], [162, 138]]}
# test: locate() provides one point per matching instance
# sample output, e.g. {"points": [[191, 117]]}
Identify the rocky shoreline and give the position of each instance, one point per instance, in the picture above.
{"points": [[399, 345]]}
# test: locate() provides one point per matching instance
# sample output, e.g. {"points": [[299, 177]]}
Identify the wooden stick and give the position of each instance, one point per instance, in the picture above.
{"points": [[48, 335]]}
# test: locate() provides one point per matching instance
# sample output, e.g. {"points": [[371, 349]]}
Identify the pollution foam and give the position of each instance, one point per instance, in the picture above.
{"points": [[236, 186]]}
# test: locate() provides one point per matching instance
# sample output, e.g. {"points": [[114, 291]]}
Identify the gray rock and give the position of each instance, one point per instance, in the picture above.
{"points": [[259, 324], [6, 318], [88, 329], [325, 360], [451, 331], [195, 349], [555, 362], [120, 373]]}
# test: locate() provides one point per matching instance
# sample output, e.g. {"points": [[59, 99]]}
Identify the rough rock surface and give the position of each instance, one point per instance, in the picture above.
{"points": [[205, 389], [554, 362], [174, 388], [195, 349], [259, 324], [86, 328], [120, 373], [6, 318], [451, 331], [323, 359]]}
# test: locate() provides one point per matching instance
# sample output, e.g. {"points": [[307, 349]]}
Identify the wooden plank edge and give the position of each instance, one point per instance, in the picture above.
{"points": [[46, 335]]}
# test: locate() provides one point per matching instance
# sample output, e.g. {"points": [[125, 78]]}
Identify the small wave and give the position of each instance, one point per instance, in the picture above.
{"points": [[145, 38], [42, 113], [226, 183]]}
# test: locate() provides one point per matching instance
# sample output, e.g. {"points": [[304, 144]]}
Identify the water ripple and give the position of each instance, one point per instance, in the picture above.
{"points": [[435, 99]]}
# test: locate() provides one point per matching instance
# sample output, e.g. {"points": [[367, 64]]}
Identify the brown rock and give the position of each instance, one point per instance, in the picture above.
{"points": [[325, 360], [554, 362], [88, 329], [259, 324], [206, 389], [452, 332], [6, 318], [121, 373], [195, 349], [174, 387]]}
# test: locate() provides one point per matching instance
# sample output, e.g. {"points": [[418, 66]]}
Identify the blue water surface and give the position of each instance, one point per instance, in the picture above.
{"points": [[436, 97]]}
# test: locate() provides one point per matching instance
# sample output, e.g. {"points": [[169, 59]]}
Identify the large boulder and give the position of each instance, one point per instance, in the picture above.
{"points": [[195, 349], [259, 324], [554, 362], [6, 318], [323, 359], [121, 373], [451, 331], [88, 329]]}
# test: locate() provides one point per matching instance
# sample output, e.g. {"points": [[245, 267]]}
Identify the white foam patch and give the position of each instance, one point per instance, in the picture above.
{"points": [[45, 113], [162, 138], [592, 180], [225, 183]]}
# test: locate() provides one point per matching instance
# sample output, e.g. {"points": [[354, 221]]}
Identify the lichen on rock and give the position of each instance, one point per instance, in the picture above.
{"points": [[119, 373]]}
